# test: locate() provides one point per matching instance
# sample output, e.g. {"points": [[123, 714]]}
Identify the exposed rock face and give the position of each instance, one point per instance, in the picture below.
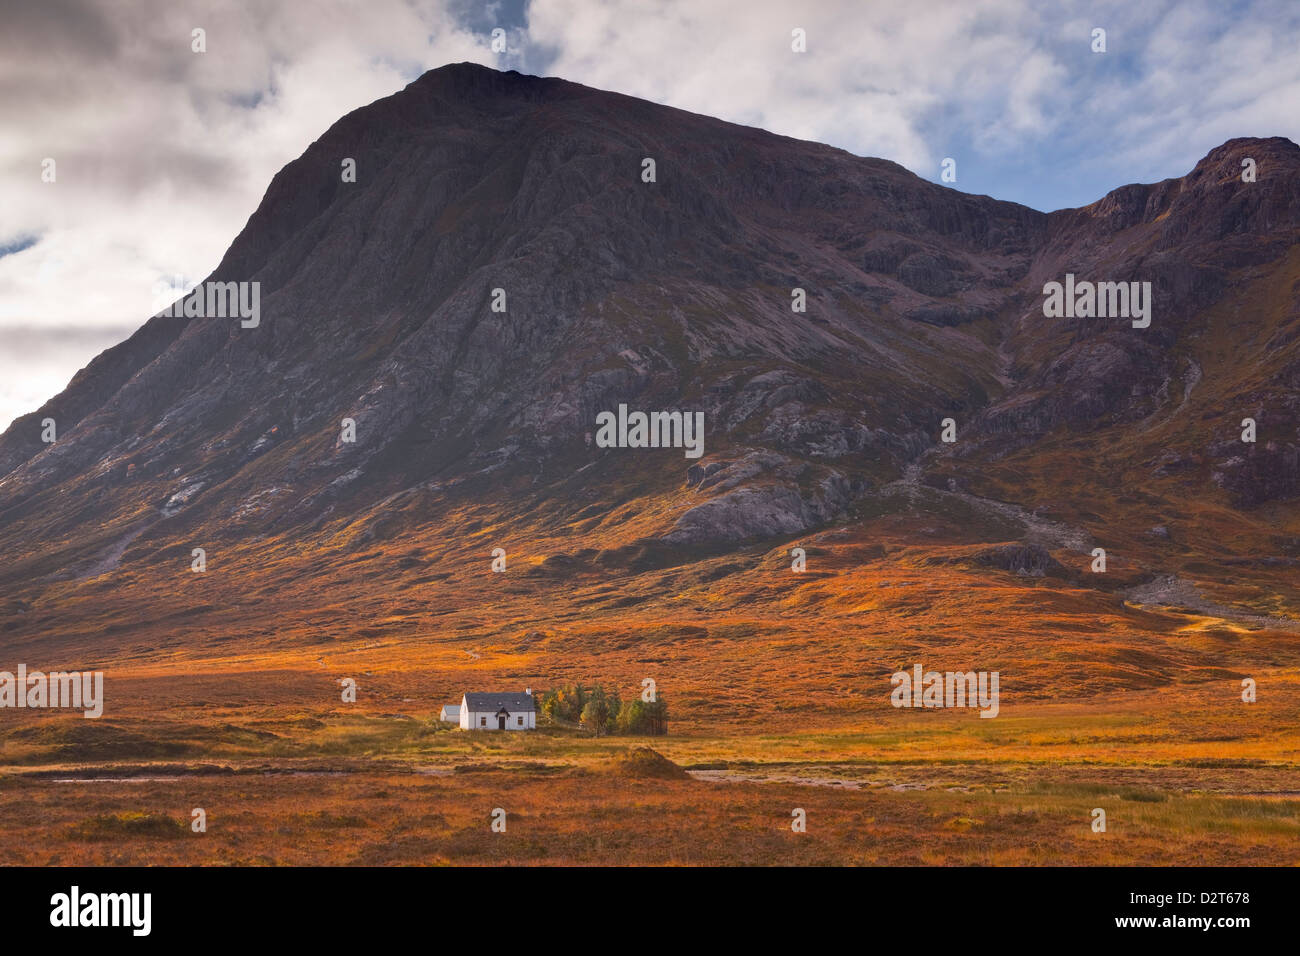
{"points": [[377, 305], [1029, 559], [1262, 474], [760, 496]]}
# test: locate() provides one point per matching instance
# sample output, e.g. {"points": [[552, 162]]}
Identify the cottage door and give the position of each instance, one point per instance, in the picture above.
{"points": [[501, 723]]}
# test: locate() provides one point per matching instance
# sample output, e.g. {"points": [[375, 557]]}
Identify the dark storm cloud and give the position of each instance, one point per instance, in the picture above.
{"points": [[58, 30]]}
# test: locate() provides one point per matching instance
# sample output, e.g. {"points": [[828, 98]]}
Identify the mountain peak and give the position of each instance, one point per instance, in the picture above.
{"points": [[506, 266], [474, 80], [1259, 148]]}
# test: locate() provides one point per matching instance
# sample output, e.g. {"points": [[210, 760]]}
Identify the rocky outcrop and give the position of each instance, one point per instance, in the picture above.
{"points": [[760, 495], [1270, 472], [1028, 559]]}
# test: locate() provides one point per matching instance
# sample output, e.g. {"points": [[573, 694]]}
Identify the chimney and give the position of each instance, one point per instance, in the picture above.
{"points": [[528, 691]]}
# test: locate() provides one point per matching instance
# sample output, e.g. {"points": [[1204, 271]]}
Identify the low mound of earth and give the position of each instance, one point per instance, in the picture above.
{"points": [[643, 763]]}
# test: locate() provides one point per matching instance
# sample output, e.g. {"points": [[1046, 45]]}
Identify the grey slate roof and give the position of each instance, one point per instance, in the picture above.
{"points": [[513, 703]]}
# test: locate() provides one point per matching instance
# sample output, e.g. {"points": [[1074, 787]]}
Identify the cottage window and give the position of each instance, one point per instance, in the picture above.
{"points": [[482, 721], [521, 721]]}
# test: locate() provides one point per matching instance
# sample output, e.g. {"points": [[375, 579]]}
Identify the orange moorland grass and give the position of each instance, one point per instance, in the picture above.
{"points": [[580, 814], [223, 692], [1176, 774]]}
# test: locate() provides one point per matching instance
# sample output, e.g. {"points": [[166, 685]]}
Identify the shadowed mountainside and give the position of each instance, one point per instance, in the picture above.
{"points": [[474, 427]]}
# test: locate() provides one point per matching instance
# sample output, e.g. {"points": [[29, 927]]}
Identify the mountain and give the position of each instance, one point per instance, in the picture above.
{"points": [[475, 428]]}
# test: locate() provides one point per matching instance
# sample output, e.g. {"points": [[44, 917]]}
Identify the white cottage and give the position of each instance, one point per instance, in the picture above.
{"points": [[498, 711], [450, 714]]}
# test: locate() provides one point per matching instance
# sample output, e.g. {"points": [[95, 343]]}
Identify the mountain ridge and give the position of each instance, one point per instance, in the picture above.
{"points": [[924, 303]]}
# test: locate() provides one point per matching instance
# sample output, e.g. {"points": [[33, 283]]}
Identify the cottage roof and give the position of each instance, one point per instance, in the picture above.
{"points": [[513, 703]]}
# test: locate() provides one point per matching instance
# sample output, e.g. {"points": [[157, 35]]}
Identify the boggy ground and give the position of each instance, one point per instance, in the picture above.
{"points": [[1192, 776]]}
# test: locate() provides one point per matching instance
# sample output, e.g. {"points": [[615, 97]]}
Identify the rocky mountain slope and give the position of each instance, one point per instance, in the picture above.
{"points": [[922, 304]]}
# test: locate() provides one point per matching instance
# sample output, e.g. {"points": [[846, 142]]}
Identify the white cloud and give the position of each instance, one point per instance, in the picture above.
{"points": [[873, 77], [161, 155]]}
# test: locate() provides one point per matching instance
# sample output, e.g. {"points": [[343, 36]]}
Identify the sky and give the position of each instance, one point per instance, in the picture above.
{"points": [[160, 152]]}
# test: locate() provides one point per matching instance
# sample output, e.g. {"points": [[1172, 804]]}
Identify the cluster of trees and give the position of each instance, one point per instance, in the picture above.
{"points": [[600, 711]]}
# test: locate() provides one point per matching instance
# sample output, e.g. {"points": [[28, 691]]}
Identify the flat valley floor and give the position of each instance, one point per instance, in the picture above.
{"points": [[1180, 778]]}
